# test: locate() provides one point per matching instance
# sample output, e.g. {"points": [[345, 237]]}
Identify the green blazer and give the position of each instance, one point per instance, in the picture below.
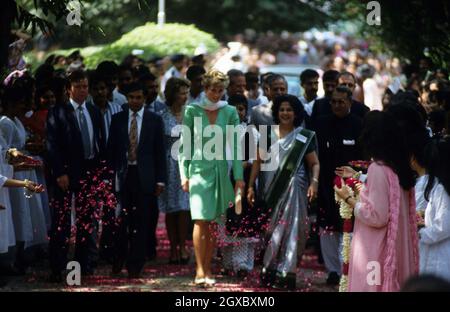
{"points": [[202, 160]]}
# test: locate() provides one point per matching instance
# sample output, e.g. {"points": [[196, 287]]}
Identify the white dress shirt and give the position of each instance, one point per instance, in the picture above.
{"points": [[308, 106], [88, 120], [119, 98], [171, 72], [139, 118]]}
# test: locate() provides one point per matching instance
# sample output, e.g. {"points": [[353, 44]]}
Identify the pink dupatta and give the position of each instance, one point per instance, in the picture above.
{"points": [[390, 280]]}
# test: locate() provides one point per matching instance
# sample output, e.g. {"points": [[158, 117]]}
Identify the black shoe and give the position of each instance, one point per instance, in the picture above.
{"points": [[134, 275], [242, 273], [55, 277], [117, 267], [267, 277], [185, 261], [287, 281], [226, 272], [333, 279]]}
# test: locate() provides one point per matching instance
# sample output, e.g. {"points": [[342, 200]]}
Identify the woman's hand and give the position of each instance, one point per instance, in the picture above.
{"points": [[185, 185], [359, 188], [63, 182], [420, 217], [312, 191], [342, 192], [240, 184], [34, 187], [251, 196], [345, 172]]}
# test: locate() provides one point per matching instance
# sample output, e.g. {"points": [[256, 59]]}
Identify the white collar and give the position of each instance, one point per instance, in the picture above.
{"points": [[76, 105], [139, 112]]}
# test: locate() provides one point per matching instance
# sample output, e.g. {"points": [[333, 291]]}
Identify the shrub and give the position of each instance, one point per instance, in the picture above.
{"points": [[154, 41]]}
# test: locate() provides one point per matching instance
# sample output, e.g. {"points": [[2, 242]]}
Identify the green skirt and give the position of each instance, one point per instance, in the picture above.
{"points": [[210, 191]]}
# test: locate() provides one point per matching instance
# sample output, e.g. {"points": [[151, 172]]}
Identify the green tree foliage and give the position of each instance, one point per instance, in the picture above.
{"points": [[105, 21], [408, 28], [229, 17], [27, 14], [154, 41]]}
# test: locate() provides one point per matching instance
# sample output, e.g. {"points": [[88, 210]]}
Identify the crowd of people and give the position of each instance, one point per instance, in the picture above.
{"points": [[90, 154]]}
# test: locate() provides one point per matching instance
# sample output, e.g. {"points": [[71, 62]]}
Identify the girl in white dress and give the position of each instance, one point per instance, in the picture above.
{"points": [[434, 236], [27, 211], [7, 235]]}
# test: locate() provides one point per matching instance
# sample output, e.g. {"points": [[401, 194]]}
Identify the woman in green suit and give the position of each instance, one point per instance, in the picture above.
{"points": [[204, 167]]}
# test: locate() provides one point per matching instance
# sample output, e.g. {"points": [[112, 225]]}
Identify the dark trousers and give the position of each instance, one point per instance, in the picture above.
{"points": [[86, 232], [109, 228], [136, 221]]}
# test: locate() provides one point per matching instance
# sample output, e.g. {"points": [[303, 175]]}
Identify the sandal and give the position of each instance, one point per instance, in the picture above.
{"points": [[199, 281]]}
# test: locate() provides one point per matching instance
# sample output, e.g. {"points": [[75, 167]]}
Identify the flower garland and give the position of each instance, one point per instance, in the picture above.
{"points": [[346, 213]]}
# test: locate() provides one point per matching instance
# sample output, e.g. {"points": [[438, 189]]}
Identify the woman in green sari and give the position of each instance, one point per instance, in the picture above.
{"points": [[286, 191], [204, 168]]}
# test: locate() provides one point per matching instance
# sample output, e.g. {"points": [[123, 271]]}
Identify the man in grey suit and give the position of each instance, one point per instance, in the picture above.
{"points": [[262, 114]]}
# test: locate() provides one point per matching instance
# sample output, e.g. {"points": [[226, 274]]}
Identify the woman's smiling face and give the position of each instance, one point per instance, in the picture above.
{"points": [[286, 114], [215, 92]]}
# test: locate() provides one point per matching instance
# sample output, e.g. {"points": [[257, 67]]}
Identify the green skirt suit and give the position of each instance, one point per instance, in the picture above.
{"points": [[210, 188]]}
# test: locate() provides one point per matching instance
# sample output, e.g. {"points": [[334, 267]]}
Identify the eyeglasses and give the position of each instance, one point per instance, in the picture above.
{"points": [[349, 85]]}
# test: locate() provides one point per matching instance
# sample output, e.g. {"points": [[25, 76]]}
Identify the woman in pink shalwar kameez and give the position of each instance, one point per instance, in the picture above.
{"points": [[384, 250]]}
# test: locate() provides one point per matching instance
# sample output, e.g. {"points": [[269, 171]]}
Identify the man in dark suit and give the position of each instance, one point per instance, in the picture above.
{"points": [[337, 136], [76, 145], [322, 107], [137, 155]]}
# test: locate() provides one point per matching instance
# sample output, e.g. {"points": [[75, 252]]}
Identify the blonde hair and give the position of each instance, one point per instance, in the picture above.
{"points": [[215, 77]]}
